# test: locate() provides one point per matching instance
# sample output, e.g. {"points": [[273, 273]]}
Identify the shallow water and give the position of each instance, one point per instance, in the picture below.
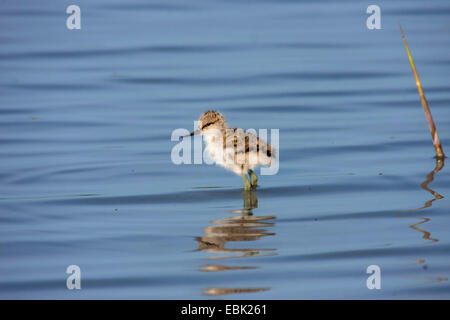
{"points": [[86, 175]]}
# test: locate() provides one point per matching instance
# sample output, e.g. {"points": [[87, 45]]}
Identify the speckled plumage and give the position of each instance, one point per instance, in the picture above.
{"points": [[233, 148]]}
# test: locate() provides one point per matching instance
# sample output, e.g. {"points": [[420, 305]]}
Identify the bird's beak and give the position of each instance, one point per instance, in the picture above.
{"points": [[198, 131]]}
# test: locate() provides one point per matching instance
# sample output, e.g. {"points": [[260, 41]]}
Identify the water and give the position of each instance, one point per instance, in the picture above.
{"points": [[86, 175]]}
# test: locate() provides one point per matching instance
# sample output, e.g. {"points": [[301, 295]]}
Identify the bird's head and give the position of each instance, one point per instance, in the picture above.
{"points": [[210, 120]]}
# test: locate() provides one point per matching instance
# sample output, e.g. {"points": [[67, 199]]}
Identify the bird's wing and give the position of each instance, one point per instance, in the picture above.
{"points": [[244, 142]]}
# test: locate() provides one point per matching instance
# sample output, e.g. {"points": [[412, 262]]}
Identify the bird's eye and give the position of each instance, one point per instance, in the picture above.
{"points": [[208, 124]]}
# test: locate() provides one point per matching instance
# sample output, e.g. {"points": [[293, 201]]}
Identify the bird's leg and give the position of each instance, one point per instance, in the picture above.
{"points": [[250, 201], [247, 185], [253, 179]]}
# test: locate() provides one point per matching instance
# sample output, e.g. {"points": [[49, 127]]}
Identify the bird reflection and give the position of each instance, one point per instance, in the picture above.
{"points": [[437, 196], [244, 227]]}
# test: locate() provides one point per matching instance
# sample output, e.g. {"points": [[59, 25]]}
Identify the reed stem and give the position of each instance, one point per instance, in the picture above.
{"points": [[436, 142]]}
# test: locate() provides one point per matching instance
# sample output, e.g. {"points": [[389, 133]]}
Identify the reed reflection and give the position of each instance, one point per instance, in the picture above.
{"points": [[437, 196], [243, 227]]}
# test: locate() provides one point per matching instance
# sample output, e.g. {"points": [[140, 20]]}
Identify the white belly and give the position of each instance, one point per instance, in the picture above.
{"points": [[226, 157], [239, 163]]}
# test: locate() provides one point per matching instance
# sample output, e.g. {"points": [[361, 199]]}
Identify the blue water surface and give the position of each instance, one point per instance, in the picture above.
{"points": [[86, 118]]}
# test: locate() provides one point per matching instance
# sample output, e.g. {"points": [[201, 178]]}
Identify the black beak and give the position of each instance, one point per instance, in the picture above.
{"points": [[198, 131]]}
